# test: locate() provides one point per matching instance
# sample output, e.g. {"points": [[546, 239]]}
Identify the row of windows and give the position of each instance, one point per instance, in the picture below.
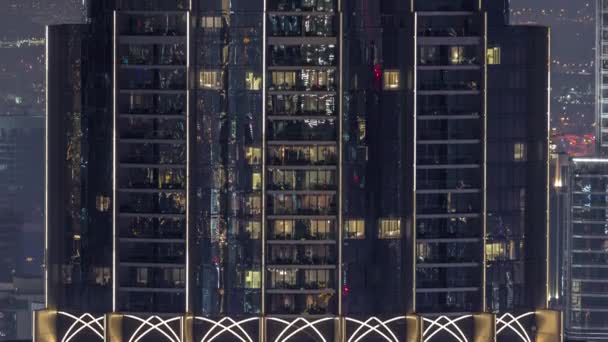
{"points": [[353, 229], [213, 79], [387, 229]]}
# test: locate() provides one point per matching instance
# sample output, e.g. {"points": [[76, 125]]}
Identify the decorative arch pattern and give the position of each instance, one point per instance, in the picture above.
{"points": [[285, 334], [81, 323], [374, 325], [155, 324], [513, 323], [227, 325], [447, 324]]}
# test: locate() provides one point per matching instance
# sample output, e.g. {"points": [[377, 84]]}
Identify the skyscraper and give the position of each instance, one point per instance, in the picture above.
{"points": [[307, 169], [584, 257], [20, 187], [601, 76]]}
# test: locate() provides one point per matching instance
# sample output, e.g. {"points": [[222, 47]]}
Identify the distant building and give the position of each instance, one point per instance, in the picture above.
{"points": [[21, 191], [586, 250], [18, 298], [298, 169], [601, 76]]}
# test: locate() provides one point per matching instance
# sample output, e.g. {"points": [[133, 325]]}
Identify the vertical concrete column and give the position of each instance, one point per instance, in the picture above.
{"points": [[484, 327], [414, 328], [188, 328], [113, 327], [549, 324], [45, 326]]}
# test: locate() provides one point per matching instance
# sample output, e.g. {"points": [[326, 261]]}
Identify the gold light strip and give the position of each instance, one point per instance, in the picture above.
{"points": [[415, 162], [46, 172], [341, 156], [114, 156], [188, 24], [548, 176], [485, 162], [264, 72]]}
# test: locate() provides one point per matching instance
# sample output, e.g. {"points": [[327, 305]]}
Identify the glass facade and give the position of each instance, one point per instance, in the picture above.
{"points": [[586, 244], [304, 161], [517, 130], [601, 75]]}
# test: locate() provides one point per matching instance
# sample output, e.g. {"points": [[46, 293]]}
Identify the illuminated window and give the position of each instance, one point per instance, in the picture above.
{"points": [[256, 181], [283, 229], [519, 152], [253, 279], [504, 251], [253, 81], [253, 155], [210, 80], [362, 128], [283, 278], [392, 80], [354, 229], [320, 229], [456, 55], [211, 22], [389, 229], [253, 229], [494, 55], [102, 203], [284, 80], [253, 205], [317, 278]]}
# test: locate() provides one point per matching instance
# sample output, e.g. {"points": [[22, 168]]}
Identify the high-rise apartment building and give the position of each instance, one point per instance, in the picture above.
{"points": [[601, 76], [21, 188], [297, 169], [586, 242]]}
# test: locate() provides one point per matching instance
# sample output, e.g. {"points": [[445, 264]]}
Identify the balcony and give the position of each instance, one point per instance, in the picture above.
{"points": [[152, 228], [301, 26], [166, 24], [301, 255], [153, 5], [446, 5], [307, 130], [306, 156], [169, 55], [306, 205], [451, 228], [301, 105], [163, 203], [450, 26], [153, 79], [152, 104], [302, 55], [301, 5], [134, 253]]}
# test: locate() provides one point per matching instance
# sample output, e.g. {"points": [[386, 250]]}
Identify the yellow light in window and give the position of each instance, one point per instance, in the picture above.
{"points": [[392, 80], [494, 55], [257, 181], [77, 237]]}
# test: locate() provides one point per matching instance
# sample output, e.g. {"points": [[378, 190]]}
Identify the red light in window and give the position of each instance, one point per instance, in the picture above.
{"points": [[378, 72]]}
